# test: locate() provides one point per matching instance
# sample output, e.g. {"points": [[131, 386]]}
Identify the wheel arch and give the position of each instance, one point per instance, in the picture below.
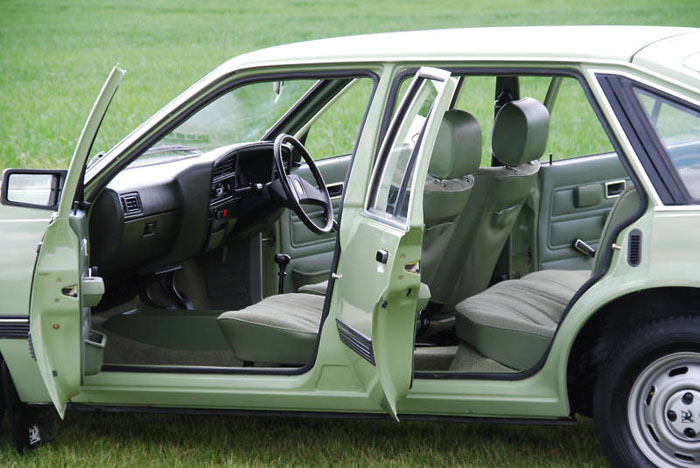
{"points": [[604, 328]]}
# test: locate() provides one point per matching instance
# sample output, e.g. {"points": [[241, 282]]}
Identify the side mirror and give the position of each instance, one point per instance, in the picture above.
{"points": [[32, 188]]}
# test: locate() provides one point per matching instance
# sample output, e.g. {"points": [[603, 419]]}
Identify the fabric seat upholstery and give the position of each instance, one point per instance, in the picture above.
{"points": [[514, 321], [455, 158], [319, 289], [280, 329], [519, 138]]}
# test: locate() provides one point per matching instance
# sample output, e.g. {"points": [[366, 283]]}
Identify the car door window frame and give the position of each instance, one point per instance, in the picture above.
{"points": [[189, 109], [460, 72], [111, 164], [386, 143], [654, 135], [457, 72], [619, 90]]}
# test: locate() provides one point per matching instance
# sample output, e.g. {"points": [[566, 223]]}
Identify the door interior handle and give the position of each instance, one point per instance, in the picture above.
{"points": [[614, 188]]}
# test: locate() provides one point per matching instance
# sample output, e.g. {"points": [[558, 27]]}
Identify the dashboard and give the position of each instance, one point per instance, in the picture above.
{"points": [[151, 217]]}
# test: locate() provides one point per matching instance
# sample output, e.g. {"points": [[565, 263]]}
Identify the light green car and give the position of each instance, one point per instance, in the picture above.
{"points": [[496, 224]]}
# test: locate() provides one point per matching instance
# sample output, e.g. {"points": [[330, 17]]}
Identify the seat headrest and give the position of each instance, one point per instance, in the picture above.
{"points": [[457, 150], [520, 132]]}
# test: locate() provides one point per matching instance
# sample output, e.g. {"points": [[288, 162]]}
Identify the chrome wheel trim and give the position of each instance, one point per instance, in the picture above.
{"points": [[663, 410]]}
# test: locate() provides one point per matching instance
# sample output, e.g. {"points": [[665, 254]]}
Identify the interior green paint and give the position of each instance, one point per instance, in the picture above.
{"points": [[564, 216], [311, 254]]}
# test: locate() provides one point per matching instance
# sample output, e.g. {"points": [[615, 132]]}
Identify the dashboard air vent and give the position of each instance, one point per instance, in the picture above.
{"points": [[224, 168], [634, 251], [131, 204]]}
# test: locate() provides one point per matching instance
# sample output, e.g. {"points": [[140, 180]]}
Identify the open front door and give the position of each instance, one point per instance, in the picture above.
{"points": [[378, 277], [63, 288]]}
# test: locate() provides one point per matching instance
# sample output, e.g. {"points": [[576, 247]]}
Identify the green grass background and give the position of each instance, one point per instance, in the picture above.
{"points": [[54, 56]]}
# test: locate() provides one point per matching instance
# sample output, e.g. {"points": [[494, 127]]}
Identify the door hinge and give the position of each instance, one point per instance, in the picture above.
{"points": [[81, 205], [38, 247]]}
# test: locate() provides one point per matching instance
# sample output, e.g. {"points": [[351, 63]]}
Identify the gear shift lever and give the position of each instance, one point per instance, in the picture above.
{"points": [[282, 260]]}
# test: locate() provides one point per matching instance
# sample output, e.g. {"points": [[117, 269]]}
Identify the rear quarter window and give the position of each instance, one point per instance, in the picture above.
{"points": [[677, 125]]}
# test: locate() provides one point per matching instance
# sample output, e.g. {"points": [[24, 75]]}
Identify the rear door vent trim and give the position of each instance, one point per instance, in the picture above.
{"points": [[131, 204], [634, 250], [356, 341]]}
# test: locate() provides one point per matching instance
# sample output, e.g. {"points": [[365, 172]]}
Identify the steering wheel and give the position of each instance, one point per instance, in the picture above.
{"points": [[293, 191]]}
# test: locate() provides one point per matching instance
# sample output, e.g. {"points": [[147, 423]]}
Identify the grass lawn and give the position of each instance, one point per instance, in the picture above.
{"points": [[118, 440], [54, 56]]}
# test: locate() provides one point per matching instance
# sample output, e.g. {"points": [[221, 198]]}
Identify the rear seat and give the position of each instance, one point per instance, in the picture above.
{"points": [[514, 321]]}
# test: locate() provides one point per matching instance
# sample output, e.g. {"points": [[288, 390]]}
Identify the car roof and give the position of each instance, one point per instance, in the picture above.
{"points": [[557, 43], [677, 57]]}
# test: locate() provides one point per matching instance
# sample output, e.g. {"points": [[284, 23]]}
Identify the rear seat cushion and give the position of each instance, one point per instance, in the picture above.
{"points": [[513, 321]]}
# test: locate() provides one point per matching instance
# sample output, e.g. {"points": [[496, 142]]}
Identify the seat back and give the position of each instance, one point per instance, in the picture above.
{"points": [[455, 158], [519, 138]]}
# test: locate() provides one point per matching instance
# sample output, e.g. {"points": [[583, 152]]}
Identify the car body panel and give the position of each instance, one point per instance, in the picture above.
{"points": [[23, 229], [672, 57], [573, 43], [339, 380], [59, 316]]}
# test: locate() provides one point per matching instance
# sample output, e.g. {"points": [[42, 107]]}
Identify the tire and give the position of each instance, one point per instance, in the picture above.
{"points": [[643, 415]]}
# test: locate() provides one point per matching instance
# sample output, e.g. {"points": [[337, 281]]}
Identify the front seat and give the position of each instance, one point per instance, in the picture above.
{"points": [[519, 138], [282, 329], [455, 158], [514, 321]]}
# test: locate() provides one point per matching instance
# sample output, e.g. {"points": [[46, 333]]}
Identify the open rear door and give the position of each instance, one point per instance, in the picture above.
{"points": [[63, 289], [378, 276]]}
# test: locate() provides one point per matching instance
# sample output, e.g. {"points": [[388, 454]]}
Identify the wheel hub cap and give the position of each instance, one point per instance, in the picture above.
{"points": [[683, 415]]}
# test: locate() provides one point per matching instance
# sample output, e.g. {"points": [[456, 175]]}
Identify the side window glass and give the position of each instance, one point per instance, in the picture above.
{"points": [[678, 128], [335, 131], [574, 128], [391, 188]]}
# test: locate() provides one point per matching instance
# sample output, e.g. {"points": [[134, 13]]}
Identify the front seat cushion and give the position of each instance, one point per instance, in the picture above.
{"points": [[319, 289], [513, 321], [316, 288], [280, 329]]}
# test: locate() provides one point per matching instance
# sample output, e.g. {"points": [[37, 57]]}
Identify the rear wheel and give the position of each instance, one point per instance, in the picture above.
{"points": [[647, 399]]}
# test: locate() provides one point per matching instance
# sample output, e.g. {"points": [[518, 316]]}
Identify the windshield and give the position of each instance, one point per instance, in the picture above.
{"points": [[242, 115]]}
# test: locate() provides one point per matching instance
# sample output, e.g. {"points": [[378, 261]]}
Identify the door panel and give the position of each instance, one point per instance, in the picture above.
{"points": [[59, 314], [378, 278], [312, 254], [576, 196]]}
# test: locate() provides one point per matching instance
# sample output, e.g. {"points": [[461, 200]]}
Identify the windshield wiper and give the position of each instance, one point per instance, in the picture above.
{"points": [[173, 148]]}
